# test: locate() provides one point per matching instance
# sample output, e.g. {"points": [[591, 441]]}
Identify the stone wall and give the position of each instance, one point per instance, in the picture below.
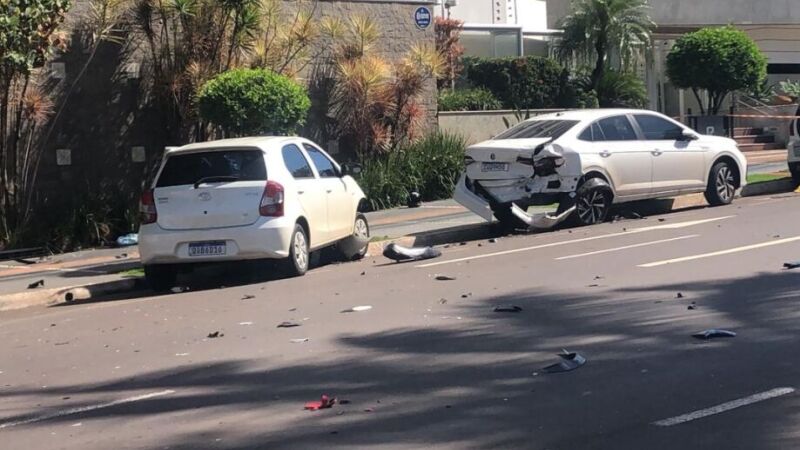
{"points": [[108, 120]]}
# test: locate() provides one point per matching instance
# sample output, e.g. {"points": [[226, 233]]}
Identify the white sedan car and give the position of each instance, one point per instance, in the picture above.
{"points": [[244, 199], [587, 160]]}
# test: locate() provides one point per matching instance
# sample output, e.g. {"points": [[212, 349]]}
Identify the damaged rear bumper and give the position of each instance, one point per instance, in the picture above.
{"points": [[466, 196]]}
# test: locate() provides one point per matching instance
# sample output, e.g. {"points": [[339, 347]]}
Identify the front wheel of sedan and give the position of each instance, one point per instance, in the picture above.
{"points": [[721, 184], [592, 202]]}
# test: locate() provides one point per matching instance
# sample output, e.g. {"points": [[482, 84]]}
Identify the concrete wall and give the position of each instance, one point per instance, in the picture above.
{"points": [[477, 126]]}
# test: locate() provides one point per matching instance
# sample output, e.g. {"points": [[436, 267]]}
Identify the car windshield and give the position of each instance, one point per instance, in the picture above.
{"points": [[189, 168], [538, 129]]}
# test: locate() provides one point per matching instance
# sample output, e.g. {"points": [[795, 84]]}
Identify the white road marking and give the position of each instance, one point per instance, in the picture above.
{"points": [[643, 244], [668, 226], [721, 252], [83, 409], [755, 398]]}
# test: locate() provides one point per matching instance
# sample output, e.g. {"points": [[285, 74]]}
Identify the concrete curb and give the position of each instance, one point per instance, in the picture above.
{"points": [[769, 187], [65, 294]]}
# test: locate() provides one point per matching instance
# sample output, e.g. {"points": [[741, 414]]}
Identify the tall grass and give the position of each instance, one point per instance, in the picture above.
{"points": [[430, 166]]}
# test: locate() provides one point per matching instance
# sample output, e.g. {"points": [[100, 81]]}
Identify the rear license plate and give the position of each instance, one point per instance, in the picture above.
{"points": [[212, 248], [494, 167]]}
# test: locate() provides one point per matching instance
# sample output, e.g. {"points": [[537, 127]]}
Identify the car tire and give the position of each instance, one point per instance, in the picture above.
{"points": [[299, 255], [721, 184], [794, 169], [349, 247], [508, 221], [593, 201], [160, 277]]}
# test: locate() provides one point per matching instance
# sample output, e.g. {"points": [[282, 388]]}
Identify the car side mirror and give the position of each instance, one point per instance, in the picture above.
{"points": [[351, 169], [688, 135]]}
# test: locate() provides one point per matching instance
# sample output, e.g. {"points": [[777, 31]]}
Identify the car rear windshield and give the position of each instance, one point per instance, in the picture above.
{"points": [[189, 168], [538, 129]]}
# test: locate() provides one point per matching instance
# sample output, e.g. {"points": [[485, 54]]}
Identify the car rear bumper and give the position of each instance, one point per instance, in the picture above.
{"points": [[268, 238], [472, 201]]}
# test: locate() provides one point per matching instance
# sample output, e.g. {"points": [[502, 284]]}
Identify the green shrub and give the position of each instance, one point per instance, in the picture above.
{"points": [[621, 90], [718, 60], [468, 100], [519, 83], [253, 101], [430, 166], [791, 88]]}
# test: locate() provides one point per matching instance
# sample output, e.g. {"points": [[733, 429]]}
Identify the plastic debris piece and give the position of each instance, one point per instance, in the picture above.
{"points": [[399, 253], [442, 301], [288, 325], [662, 219], [414, 199], [493, 240], [570, 361], [363, 273], [215, 334], [343, 402], [121, 256], [36, 284], [713, 333], [179, 289], [245, 323], [598, 277], [507, 308], [69, 296], [691, 307], [466, 295], [324, 402], [791, 265], [444, 278], [298, 341], [358, 309], [462, 243], [248, 297], [679, 295], [128, 239], [594, 285]]}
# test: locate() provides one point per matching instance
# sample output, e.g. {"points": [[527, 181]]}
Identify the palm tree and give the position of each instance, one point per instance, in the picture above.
{"points": [[594, 28]]}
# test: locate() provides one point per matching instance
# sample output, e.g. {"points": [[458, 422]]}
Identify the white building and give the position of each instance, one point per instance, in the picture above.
{"points": [[498, 28]]}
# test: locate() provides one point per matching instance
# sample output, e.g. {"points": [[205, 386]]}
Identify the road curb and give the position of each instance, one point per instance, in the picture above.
{"points": [[769, 187], [68, 294]]}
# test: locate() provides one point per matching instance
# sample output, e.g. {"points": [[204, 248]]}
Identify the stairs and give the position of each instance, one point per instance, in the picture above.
{"points": [[754, 140]]}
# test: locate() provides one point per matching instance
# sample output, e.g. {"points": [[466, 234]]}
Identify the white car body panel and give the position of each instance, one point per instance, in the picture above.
{"points": [[635, 169], [230, 210]]}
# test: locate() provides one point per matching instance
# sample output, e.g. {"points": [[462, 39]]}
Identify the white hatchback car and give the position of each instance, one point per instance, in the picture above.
{"points": [[793, 147], [245, 199], [587, 160]]}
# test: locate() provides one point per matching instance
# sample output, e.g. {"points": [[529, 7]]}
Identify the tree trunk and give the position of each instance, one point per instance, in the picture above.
{"points": [[600, 63]]}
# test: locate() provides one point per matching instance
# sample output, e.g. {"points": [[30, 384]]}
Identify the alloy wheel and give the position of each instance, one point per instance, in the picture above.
{"points": [[592, 207], [725, 184], [300, 250]]}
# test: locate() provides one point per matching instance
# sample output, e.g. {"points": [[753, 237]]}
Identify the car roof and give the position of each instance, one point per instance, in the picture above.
{"points": [[262, 142], [589, 114]]}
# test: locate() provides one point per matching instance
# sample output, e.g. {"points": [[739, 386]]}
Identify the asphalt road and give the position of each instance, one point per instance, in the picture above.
{"points": [[431, 365]]}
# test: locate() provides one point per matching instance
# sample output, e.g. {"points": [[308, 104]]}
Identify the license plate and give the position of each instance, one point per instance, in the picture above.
{"points": [[494, 167], [213, 248]]}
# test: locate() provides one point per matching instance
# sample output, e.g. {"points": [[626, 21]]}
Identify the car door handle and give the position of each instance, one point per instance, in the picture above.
{"points": [[657, 152], [300, 192], [329, 191], [605, 153]]}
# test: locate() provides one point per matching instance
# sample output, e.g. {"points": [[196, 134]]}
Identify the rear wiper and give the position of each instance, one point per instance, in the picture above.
{"points": [[214, 179]]}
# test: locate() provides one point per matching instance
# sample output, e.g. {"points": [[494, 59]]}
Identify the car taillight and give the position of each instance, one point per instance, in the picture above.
{"points": [[147, 208], [272, 200]]}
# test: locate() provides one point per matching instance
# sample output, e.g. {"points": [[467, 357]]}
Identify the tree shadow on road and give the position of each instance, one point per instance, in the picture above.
{"points": [[476, 382]]}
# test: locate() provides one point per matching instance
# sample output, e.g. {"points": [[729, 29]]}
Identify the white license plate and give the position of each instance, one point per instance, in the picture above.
{"points": [[494, 167], [213, 248]]}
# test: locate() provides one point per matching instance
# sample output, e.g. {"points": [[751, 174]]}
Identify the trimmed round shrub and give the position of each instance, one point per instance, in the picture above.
{"points": [[253, 101]]}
